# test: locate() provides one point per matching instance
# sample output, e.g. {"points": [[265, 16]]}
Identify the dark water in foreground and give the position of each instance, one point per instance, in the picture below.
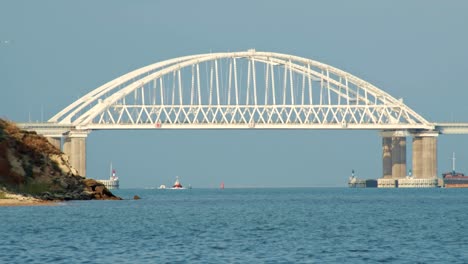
{"points": [[309, 225]]}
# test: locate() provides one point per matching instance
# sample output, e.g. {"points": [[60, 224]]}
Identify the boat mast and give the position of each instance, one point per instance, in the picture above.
{"points": [[453, 163]]}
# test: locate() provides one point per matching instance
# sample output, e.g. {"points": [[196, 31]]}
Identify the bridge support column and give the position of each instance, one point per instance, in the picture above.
{"points": [[75, 147], [424, 162], [393, 158], [417, 157], [425, 155], [394, 154], [66, 145], [429, 156], [387, 157], [398, 157], [56, 141]]}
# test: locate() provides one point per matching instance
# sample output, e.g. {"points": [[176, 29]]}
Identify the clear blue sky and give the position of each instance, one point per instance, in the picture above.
{"points": [[53, 52]]}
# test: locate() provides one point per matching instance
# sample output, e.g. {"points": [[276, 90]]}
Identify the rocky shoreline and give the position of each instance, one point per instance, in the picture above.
{"points": [[32, 168]]}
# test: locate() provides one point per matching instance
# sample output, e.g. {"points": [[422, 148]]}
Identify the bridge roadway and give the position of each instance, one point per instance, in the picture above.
{"points": [[451, 128], [60, 130]]}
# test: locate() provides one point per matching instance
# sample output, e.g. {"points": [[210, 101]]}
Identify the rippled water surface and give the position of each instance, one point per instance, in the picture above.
{"points": [[297, 225]]}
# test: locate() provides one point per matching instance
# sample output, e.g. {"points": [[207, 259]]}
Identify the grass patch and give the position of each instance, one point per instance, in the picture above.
{"points": [[34, 188], [3, 195]]}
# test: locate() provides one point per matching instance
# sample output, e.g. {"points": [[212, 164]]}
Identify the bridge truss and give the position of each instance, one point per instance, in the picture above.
{"points": [[239, 90]]}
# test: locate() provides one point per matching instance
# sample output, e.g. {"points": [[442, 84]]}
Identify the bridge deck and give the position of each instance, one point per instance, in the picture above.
{"points": [[452, 128], [60, 129]]}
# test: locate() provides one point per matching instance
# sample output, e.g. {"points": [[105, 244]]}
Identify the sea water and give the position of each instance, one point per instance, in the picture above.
{"points": [[290, 225]]}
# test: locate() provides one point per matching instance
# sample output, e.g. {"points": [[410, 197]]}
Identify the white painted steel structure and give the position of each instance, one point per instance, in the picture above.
{"points": [[452, 128], [235, 90]]}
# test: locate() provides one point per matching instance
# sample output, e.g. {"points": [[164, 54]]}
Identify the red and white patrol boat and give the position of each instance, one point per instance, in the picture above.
{"points": [[177, 185]]}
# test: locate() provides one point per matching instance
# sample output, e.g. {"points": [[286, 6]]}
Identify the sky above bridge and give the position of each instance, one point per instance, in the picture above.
{"points": [[53, 52]]}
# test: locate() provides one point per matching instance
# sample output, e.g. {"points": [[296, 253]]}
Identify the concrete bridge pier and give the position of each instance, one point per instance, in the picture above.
{"points": [[75, 147], [398, 157], [424, 162], [417, 157], [387, 157], [425, 155], [55, 140], [393, 158]]}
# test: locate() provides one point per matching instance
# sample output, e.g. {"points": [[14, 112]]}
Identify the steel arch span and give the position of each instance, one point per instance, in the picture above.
{"points": [[247, 89]]}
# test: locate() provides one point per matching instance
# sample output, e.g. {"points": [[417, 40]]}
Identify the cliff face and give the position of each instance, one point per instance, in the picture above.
{"points": [[29, 164]]}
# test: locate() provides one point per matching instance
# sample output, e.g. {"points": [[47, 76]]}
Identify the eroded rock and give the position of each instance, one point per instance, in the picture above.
{"points": [[30, 164]]}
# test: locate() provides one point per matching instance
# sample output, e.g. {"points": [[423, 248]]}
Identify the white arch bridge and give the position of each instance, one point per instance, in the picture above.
{"points": [[247, 90]]}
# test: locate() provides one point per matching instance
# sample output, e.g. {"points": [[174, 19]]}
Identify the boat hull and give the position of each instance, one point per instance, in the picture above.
{"points": [[464, 185], [455, 180]]}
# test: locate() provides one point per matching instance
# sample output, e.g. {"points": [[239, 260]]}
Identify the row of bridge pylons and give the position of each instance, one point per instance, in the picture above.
{"points": [[395, 171], [394, 161]]}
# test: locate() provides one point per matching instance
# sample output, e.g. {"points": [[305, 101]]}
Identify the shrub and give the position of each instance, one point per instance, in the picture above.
{"points": [[34, 188]]}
